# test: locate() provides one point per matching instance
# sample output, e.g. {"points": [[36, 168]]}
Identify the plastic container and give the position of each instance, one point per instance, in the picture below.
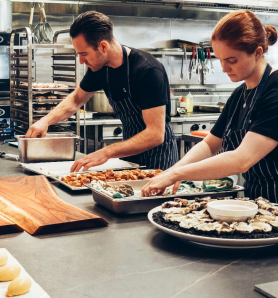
{"points": [[182, 106], [189, 103]]}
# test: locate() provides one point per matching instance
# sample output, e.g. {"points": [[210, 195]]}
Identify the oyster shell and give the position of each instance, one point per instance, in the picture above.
{"points": [[265, 217], [224, 198], [243, 199], [224, 228], [170, 204], [204, 199], [207, 227], [174, 217], [190, 223], [176, 210], [275, 212], [194, 206], [264, 212], [242, 227], [274, 225], [184, 202], [260, 226]]}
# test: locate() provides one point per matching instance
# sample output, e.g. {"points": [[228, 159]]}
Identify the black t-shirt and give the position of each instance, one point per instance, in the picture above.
{"points": [[149, 85], [264, 116]]}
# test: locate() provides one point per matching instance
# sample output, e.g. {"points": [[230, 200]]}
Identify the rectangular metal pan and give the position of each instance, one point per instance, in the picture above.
{"points": [[56, 170], [131, 205]]}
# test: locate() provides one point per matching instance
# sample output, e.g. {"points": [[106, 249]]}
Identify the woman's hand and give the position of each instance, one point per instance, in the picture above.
{"points": [[158, 184]]}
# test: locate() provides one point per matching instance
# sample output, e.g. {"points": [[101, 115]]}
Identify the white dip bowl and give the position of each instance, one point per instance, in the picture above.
{"points": [[232, 210]]}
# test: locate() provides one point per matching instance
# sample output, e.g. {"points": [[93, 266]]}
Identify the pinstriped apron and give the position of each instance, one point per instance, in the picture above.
{"points": [[161, 157], [262, 178]]}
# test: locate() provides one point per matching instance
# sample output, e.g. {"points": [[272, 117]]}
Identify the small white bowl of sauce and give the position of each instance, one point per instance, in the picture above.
{"points": [[232, 210]]}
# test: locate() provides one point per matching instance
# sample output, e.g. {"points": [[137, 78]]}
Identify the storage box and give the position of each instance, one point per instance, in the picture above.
{"points": [[53, 147]]}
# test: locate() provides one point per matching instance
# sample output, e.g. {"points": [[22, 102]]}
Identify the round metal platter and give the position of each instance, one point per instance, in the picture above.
{"points": [[212, 241]]}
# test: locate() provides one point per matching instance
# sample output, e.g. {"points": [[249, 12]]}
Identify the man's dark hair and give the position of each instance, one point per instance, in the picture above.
{"points": [[94, 26]]}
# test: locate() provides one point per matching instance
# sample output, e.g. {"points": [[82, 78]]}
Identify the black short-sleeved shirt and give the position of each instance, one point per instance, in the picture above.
{"points": [[264, 116], [149, 85]]}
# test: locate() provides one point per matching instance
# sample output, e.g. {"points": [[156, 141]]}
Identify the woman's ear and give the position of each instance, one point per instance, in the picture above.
{"points": [[259, 52]]}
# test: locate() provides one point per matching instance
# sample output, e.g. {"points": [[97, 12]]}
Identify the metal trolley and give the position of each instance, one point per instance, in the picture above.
{"points": [[30, 102]]}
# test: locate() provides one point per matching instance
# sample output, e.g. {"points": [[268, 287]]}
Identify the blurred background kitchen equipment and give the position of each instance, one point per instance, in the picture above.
{"points": [[46, 30], [37, 30], [174, 104], [99, 103]]}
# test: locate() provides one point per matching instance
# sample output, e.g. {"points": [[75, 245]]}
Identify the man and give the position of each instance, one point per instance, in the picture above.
{"points": [[137, 87]]}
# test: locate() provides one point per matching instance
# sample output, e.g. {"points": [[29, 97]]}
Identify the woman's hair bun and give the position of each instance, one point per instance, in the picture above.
{"points": [[271, 34]]}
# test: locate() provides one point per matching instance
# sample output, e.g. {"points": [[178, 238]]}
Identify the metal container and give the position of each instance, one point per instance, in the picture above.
{"points": [[99, 103], [54, 147], [132, 205], [174, 107], [5, 16]]}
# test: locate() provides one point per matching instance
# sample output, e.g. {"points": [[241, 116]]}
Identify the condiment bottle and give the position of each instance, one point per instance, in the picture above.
{"points": [[189, 103], [182, 105]]}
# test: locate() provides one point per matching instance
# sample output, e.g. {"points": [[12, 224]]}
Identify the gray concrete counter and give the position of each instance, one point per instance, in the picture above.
{"points": [[130, 258]]}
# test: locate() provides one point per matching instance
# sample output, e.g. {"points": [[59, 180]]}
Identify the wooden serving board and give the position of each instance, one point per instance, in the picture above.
{"points": [[32, 203], [7, 226]]}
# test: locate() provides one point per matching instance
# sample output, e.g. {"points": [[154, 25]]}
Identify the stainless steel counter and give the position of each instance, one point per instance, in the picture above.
{"points": [[185, 118], [130, 258]]}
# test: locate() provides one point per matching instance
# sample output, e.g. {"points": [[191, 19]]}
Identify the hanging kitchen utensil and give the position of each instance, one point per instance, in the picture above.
{"points": [[47, 31], [190, 67], [193, 60], [203, 61], [211, 65], [181, 75], [37, 35], [185, 55], [31, 17]]}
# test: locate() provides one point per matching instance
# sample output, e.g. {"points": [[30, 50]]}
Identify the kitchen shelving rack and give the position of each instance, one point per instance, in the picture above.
{"points": [[25, 98]]}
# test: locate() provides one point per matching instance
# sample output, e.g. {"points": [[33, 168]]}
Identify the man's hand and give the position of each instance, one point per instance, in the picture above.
{"points": [[37, 129], [93, 159]]}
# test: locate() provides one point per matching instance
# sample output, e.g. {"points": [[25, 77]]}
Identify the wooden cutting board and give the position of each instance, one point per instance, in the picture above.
{"points": [[32, 203], [7, 226]]}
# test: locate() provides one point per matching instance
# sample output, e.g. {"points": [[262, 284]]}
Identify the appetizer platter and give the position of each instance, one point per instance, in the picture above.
{"points": [[190, 220]]}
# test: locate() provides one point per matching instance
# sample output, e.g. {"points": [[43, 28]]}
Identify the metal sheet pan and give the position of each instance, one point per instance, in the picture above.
{"points": [[56, 170], [132, 205]]}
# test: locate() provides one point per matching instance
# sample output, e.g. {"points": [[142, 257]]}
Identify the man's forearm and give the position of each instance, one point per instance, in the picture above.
{"points": [[141, 142], [63, 110]]}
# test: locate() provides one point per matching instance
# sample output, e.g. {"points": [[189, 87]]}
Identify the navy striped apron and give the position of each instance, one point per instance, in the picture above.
{"points": [[262, 178], [161, 157]]}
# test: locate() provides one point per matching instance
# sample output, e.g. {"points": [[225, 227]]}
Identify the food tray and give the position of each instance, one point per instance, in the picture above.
{"points": [[132, 205], [56, 170]]}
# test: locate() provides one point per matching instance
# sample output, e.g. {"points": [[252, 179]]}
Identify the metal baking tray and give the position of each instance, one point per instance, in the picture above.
{"points": [[53, 147], [132, 205], [57, 170]]}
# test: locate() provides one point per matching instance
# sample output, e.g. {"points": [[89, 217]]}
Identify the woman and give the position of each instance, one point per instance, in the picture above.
{"points": [[247, 129]]}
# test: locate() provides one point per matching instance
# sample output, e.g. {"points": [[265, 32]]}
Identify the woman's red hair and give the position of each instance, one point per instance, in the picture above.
{"points": [[244, 31]]}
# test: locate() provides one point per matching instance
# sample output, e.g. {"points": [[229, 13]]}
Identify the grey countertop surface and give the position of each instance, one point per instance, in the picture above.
{"points": [[131, 258]]}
